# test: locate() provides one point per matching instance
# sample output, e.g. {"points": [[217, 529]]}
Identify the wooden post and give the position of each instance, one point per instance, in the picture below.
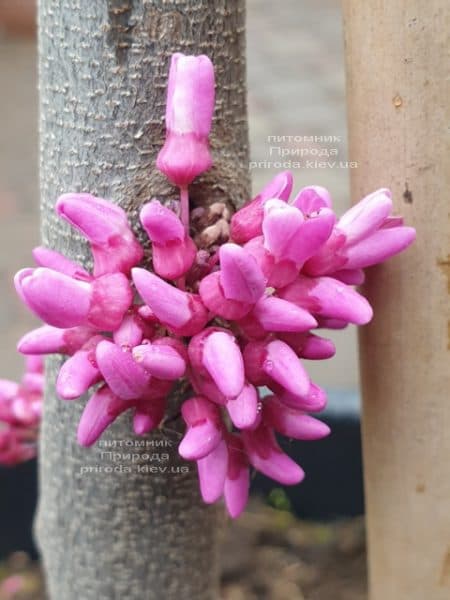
{"points": [[397, 64], [106, 533]]}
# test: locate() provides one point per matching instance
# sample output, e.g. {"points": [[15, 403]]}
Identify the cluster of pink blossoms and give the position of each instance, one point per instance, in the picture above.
{"points": [[20, 413], [228, 319]]}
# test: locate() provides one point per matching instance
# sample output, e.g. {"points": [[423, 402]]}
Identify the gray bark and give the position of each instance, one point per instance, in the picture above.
{"points": [[103, 67]]}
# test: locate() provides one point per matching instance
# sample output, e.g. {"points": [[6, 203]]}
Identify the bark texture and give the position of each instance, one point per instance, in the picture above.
{"points": [[398, 114], [106, 533]]}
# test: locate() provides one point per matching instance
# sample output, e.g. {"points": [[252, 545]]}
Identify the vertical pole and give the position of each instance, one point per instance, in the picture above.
{"points": [[397, 64], [107, 533]]}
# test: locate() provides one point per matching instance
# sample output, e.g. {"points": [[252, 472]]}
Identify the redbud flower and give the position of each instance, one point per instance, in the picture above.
{"points": [[274, 361], [204, 428], [113, 243], [53, 340], [20, 413], [173, 251], [266, 456], [237, 480], [180, 311], [214, 353], [102, 409], [326, 297], [365, 235], [189, 110], [62, 301], [246, 223]]}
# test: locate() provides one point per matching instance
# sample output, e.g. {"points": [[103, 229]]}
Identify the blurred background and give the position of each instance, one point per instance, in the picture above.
{"points": [[296, 93]]}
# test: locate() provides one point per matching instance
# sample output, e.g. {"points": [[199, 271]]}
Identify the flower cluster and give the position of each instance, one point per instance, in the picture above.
{"points": [[20, 413], [227, 319]]}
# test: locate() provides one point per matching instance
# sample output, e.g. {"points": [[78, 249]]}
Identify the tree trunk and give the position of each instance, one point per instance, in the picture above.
{"points": [[397, 99], [106, 534]]}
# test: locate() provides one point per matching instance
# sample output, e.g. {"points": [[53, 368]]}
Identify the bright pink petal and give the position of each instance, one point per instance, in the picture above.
{"points": [[159, 360], [100, 411], [365, 217], [237, 482], [126, 378], [282, 365], [213, 297], [240, 276], [267, 457], [54, 340], [222, 359], [244, 409], [45, 257], [311, 199], [212, 471], [380, 246], [246, 223], [78, 373], [57, 299], [329, 298], [275, 314], [293, 423]]}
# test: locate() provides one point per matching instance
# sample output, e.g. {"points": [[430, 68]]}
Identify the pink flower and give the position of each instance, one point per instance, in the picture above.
{"points": [[20, 413], [246, 223], [365, 235], [173, 251], [105, 225], [214, 354], [204, 428], [189, 111], [182, 312], [63, 301]]}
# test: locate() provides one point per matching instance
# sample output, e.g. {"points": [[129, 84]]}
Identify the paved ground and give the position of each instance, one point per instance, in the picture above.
{"points": [[296, 88]]}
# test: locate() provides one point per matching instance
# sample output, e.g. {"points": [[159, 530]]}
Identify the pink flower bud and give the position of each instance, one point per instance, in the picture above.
{"points": [[237, 481], [309, 345], [181, 312], [213, 297], [214, 352], [204, 428], [126, 378], [132, 330], [314, 400], [62, 301], [173, 251], [275, 362], [160, 360], [45, 257], [212, 471], [365, 235], [288, 235], [246, 223], [79, 372], [267, 457], [113, 243], [240, 276], [276, 314], [57, 299], [244, 408], [311, 199], [189, 110], [278, 273], [329, 298], [53, 340], [100, 411], [291, 422]]}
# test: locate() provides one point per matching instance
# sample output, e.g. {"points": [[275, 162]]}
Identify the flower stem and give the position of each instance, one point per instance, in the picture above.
{"points": [[184, 199]]}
